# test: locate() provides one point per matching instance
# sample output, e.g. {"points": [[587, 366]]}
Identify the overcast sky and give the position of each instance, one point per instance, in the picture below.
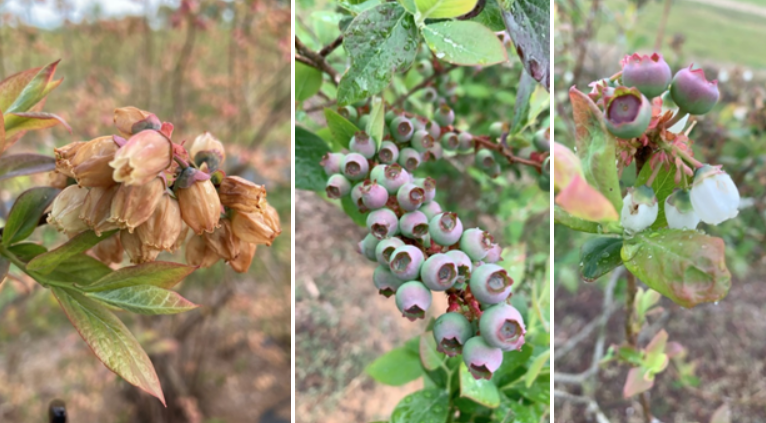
{"points": [[44, 14]]}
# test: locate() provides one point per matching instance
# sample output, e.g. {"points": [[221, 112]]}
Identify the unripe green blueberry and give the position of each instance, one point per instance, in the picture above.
{"points": [[650, 74], [451, 331], [363, 144], [422, 141], [542, 140], [466, 142], [692, 92], [402, 129], [356, 197], [448, 87], [366, 247], [406, 262], [434, 153], [413, 299], [627, 113], [444, 115], [485, 160], [348, 112], [445, 229], [494, 255], [390, 177], [382, 223], [389, 152], [410, 196], [364, 120], [374, 196], [476, 243], [434, 129], [414, 224], [438, 272], [337, 186], [424, 67], [450, 141], [355, 167], [389, 117], [430, 209], [496, 129], [463, 263], [502, 327], [490, 284], [410, 159], [386, 248], [385, 281], [331, 163], [429, 95], [481, 358]]}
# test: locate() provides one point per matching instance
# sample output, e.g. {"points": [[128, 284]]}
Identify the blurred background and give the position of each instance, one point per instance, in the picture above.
{"points": [[723, 342], [218, 66]]}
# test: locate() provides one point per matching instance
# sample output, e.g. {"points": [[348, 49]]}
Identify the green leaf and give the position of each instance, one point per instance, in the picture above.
{"points": [[353, 212], [599, 256], [491, 16], [430, 358], [560, 216], [409, 5], [12, 87], [686, 266], [161, 274], [80, 269], [663, 186], [18, 122], [308, 80], [521, 108], [380, 41], [26, 213], [441, 9], [424, 406], [513, 366], [25, 164], [110, 340], [396, 367], [377, 121], [5, 265], [528, 24], [309, 150], [357, 7], [342, 129], [464, 43], [536, 367], [481, 391], [47, 262], [144, 299], [511, 411], [35, 90], [26, 251]]}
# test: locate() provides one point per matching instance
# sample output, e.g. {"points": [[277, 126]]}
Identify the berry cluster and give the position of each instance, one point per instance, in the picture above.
{"points": [[154, 190], [419, 247]]}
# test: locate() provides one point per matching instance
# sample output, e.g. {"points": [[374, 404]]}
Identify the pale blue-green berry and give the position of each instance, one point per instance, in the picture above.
{"points": [[450, 141], [502, 327], [366, 247], [410, 196], [444, 115], [430, 209], [445, 229], [386, 248], [422, 141], [414, 224], [355, 167], [337, 186], [451, 331], [401, 129], [476, 243], [463, 263], [385, 281], [490, 284], [481, 358], [383, 223], [389, 152], [439, 272], [406, 262], [413, 299], [410, 159]]}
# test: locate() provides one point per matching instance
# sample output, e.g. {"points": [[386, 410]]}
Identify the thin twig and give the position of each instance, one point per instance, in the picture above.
{"points": [[320, 106], [316, 60], [424, 83], [324, 52], [632, 337], [485, 142]]}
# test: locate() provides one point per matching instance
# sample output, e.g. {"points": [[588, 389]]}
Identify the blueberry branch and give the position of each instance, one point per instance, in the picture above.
{"points": [[426, 82], [632, 337], [314, 59], [485, 142]]}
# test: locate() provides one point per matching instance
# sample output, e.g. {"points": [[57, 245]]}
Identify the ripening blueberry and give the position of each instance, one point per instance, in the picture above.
{"points": [[410, 196], [424, 67], [627, 113], [494, 255], [348, 112], [490, 284], [413, 299], [391, 177], [463, 263], [414, 224], [374, 196], [450, 141], [650, 74], [451, 331], [410, 159], [429, 95], [366, 247], [389, 152], [363, 144], [496, 129], [465, 142], [447, 87], [337, 186], [331, 163], [434, 129], [356, 197], [430, 209], [434, 153], [419, 124], [406, 262], [401, 129], [639, 209], [438, 272], [481, 358], [385, 281], [429, 186], [355, 167], [476, 243], [386, 248], [383, 223], [444, 115], [692, 92], [445, 229], [502, 327], [422, 141]]}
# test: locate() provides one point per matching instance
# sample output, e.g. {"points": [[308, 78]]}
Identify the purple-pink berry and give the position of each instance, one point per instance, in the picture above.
{"points": [[389, 152], [363, 144], [355, 167], [337, 186], [692, 92], [383, 223], [374, 196], [410, 196], [490, 284], [414, 224], [410, 159], [627, 113], [502, 327], [331, 163], [406, 262], [481, 358], [413, 299], [445, 229], [650, 74], [439, 272]]}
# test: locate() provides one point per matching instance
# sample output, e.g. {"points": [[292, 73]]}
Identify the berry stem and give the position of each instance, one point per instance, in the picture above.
{"points": [[654, 174], [677, 118], [426, 82], [687, 157]]}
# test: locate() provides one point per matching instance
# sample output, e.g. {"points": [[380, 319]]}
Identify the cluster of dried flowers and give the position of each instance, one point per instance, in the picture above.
{"points": [[154, 190]]}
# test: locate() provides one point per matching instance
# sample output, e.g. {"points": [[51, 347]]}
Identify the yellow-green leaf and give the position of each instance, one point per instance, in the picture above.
{"points": [[144, 299], [161, 274], [442, 9]]}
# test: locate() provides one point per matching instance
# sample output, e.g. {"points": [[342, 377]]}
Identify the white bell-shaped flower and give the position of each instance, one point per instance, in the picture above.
{"points": [[639, 209], [714, 196], [679, 211]]}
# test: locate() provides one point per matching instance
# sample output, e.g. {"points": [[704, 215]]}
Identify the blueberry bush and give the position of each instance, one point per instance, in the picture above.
{"points": [[396, 107]]}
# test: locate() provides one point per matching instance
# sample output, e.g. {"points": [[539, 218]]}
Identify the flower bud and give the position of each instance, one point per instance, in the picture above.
{"points": [[208, 152], [97, 209], [90, 165], [679, 211], [164, 227], [199, 254], [650, 74], [241, 194], [639, 209], [133, 205], [692, 92], [137, 250], [64, 157], [627, 113], [223, 241], [200, 206], [257, 228], [131, 120], [109, 250], [245, 257], [142, 158], [714, 196], [65, 211]]}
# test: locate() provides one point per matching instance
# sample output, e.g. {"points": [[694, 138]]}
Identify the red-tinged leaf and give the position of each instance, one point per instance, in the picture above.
{"points": [[721, 415], [45, 263], [161, 274], [145, 299], [110, 340], [37, 88], [566, 165], [636, 383], [25, 164], [30, 121], [658, 343], [673, 349], [11, 87], [582, 201]]}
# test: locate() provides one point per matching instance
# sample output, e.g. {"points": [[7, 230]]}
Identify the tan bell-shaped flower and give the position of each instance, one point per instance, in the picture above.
{"points": [[199, 254], [181, 240], [142, 158], [223, 241], [134, 204], [137, 250], [109, 250], [245, 257], [97, 208], [162, 230], [256, 228], [65, 211], [64, 157], [200, 206], [207, 152], [241, 194], [90, 166], [57, 179], [130, 120]]}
